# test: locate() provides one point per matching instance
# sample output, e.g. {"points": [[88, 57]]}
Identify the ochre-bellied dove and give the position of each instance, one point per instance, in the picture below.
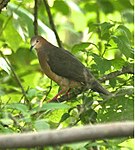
{"points": [[63, 67]]}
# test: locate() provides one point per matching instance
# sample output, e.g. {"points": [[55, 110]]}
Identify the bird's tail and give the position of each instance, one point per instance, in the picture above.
{"points": [[93, 83], [97, 87]]}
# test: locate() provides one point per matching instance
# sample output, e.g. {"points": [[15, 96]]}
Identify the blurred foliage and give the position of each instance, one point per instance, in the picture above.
{"points": [[99, 33]]}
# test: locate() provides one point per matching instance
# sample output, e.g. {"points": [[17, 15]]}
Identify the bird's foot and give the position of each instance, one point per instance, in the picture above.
{"points": [[67, 93], [55, 98]]}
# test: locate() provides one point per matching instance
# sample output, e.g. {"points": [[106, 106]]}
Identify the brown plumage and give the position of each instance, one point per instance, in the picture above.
{"points": [[63, 67]]}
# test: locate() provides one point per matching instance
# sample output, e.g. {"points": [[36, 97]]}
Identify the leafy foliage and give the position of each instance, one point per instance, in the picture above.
{"points": [[99, 33]]}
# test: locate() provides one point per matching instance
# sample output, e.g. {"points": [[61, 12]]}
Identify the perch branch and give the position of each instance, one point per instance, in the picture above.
{"points": [[69, 135]]}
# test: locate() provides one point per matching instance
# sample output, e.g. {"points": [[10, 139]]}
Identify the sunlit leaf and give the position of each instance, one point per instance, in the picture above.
{"points": [[102, 65], [107, 6], [21, 107], [4, 65], [54, 106], [124, 31], [6, 121], [12, 37], [118, 63], [123, 45], [41, 124], [117, 109], [105, 27], [80, 47], [61, 6]]}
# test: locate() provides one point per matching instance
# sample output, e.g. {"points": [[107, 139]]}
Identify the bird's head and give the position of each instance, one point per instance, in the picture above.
{"points": [[36, 42]]}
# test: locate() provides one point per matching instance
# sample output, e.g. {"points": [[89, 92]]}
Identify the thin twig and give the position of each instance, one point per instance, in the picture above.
{"points": [[49, 90], [114, 74], [52, 22], [98, 29], [16, 77], [35, 18], [16, 122]]}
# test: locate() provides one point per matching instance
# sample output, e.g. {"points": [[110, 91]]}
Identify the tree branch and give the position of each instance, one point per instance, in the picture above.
{"points": [[35, 18], [3, 3], [124, 70], [69, 135], [52, 22]]}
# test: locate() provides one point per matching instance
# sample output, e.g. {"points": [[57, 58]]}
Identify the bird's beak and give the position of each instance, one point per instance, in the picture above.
{"points": [[31, 48]]}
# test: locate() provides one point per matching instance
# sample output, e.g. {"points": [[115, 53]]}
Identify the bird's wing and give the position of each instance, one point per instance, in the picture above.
{"points": [[64, 64]]}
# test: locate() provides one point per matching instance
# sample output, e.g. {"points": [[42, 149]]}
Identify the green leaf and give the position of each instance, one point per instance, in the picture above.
{"points": [[123, 44], [128, 15], [122, 38], [112, 82], [102, 65], [92, 26], [77, 146], [54, 106], [90, 7], [127, 4], [62, 7], [26, 21], [88, 116], [127, 144], [5, 130], [118, 63], [117, 109], [64, 117], [105, 27], [12, 37], [41, 124], [77, 17], [6, 121], [124, 31], [32, 93], [4, 65], [106, 6], [80, 47], [17, 106], [2, 92]]}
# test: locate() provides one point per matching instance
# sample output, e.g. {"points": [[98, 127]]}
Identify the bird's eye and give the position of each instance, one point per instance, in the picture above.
{"points": [[37, 41]]}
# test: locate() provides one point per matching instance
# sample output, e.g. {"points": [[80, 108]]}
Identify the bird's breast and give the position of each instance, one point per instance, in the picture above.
{"points": [[62, 81]]}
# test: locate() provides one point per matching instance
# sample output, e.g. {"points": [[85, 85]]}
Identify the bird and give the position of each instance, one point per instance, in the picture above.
{"points": [[64, 68]]}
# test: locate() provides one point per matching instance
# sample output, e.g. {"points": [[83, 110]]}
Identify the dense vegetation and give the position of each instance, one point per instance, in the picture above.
{"points": [[100, 34]]}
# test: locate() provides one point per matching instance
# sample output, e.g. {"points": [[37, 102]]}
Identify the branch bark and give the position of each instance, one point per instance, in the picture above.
{"points": [[69, 135], [3, 3], [35, 18], [126, 69], [52, 22]]}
